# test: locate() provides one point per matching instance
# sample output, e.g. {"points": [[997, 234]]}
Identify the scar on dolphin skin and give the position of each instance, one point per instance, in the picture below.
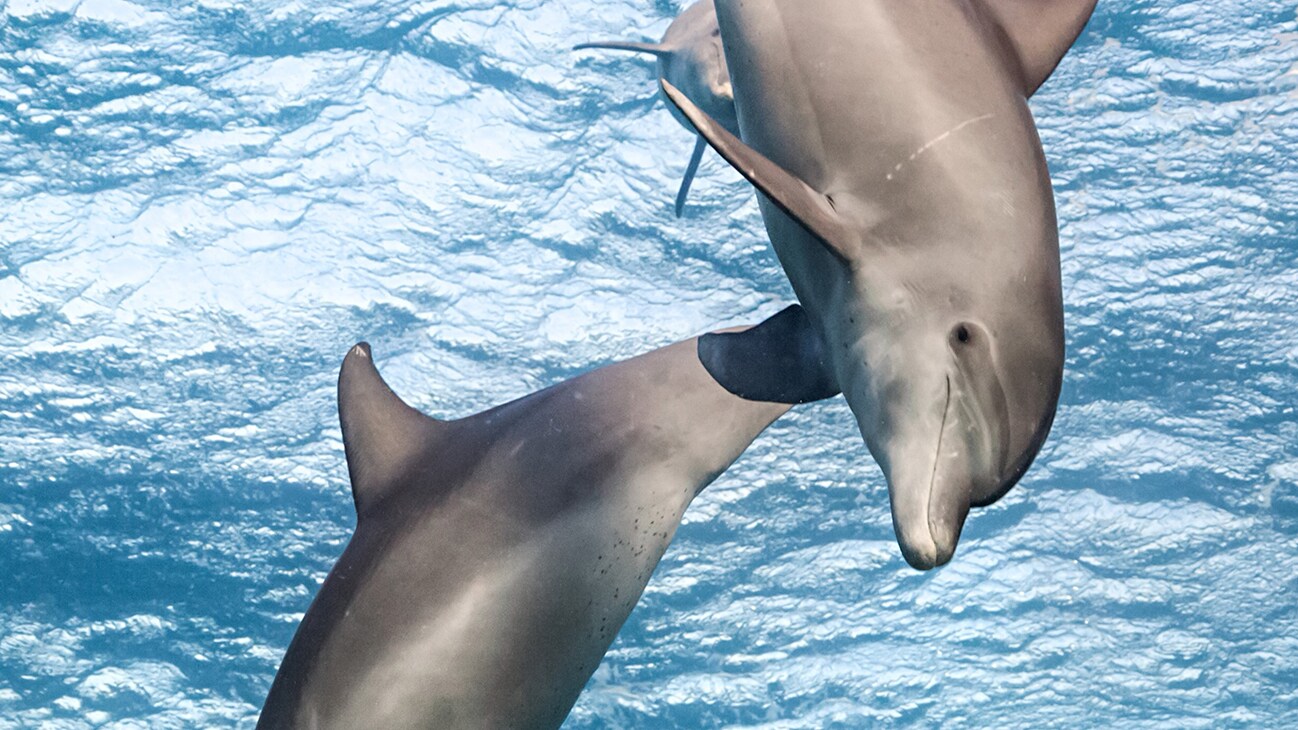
{"points": [[937, 141]]}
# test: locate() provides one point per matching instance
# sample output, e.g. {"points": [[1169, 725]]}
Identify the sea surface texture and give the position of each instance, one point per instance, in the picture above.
{"points": [[204, 204]]}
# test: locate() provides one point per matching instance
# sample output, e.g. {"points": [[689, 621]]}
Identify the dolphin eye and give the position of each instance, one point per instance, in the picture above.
{"points": [[962, 333]]}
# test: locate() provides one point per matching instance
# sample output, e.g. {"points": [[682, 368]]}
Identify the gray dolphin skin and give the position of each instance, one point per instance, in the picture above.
{"points": [[496, 556], [691, 59], [906, 194]]}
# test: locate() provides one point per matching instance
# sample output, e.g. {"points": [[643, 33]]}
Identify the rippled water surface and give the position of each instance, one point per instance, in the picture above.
{"points": [[203, 204]]}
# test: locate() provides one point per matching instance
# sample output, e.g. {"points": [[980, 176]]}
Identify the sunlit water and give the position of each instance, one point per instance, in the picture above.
{"points": [[202, 205]]}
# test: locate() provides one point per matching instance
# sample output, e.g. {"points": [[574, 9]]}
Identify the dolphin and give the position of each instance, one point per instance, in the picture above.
{"points": [[690, 57], [906, 195], [496, 556]]}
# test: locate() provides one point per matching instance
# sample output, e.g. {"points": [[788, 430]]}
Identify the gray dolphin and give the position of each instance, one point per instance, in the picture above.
{"points": [[906, 194], [495, 557], [690, 58]]}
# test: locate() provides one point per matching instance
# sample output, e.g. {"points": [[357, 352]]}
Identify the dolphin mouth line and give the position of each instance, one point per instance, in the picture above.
{"points": [[937, 456]]}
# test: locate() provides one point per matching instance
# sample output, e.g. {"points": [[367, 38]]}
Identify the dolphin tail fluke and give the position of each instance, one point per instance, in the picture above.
{"points": [[652, 48], [690, 170], [798, 199], [383, 437], [1041, 32]]}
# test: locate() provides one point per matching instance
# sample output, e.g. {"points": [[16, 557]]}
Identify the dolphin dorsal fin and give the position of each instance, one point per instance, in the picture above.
{"points": [[795, 197], [656, 49], [1041, 32], [383, 437]]}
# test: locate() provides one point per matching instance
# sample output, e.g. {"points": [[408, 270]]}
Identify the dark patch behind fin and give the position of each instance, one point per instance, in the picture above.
{"points": [[383, 437], [781, 360], [795, 197], [1041, 32]]}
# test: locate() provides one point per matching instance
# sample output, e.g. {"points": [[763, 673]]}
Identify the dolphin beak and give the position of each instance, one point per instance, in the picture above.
{"points": [[928, 538], [948, 506], [930, 497]]}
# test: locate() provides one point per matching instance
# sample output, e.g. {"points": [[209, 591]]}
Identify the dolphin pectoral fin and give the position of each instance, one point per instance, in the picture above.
{"points": [[635, 47], [796, 198], [383, 437], [781, 360], [1041, 32], [699, 145]]}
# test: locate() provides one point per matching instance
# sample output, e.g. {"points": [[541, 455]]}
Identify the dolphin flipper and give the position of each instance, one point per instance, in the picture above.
{"points": [[795, 197], [700, 144], [1041, 32], [633, 46], [781, 360], [382, 436]]}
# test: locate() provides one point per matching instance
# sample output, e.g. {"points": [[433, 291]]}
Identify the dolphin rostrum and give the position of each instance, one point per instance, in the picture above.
{"points": [[496, 556], [906, 194], [690, 58]]}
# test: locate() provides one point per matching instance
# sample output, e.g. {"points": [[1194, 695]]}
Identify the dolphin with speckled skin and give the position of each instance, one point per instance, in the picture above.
{"points": [[495, 557], [690, 57], [906, 194]]}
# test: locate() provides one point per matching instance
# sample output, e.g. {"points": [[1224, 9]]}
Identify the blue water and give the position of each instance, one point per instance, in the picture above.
{"points": [[203, 204]]}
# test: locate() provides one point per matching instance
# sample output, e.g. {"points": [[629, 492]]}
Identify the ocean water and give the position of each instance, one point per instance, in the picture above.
{"points": [[203, 204]]}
